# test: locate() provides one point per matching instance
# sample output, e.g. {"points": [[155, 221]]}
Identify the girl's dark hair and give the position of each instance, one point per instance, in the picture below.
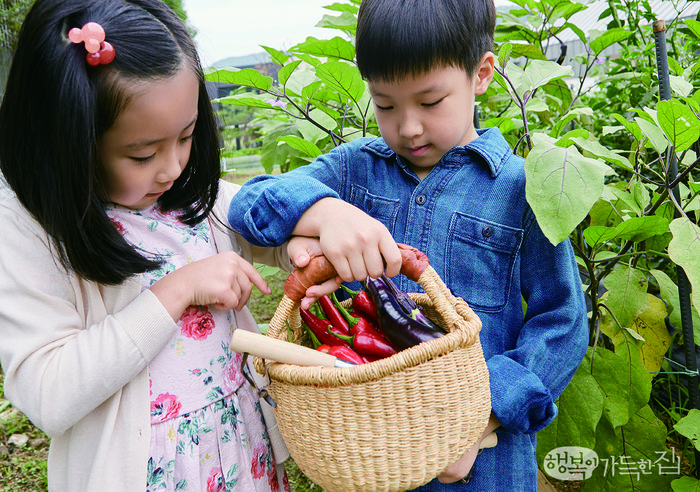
{"points": [[400, 38], [56, 108]]}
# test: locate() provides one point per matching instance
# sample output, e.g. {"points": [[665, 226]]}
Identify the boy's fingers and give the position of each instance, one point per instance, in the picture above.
{"points": [[392, 257]]}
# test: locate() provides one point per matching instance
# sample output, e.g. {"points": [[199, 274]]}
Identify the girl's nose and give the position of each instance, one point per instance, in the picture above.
{"points": [[172, 167]]}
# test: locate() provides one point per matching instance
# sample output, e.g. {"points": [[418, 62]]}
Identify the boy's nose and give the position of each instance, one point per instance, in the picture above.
{"points": [[410, 126]]}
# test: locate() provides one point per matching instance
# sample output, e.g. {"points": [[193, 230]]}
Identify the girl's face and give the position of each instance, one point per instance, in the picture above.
{"points": [[423, 117], [149, 145]]}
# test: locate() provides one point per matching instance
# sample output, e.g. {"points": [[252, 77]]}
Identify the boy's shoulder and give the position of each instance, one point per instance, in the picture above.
{"points": [[373, 145]]}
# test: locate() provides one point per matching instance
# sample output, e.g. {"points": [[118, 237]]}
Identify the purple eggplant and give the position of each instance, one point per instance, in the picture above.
{"points": [[396, 324], [408, 305]]}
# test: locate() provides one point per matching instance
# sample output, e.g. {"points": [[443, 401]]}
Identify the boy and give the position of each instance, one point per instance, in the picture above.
{"points": [[435, 182]]}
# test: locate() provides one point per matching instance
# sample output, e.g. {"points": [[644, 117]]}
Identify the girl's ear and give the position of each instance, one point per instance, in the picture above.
{"points": [[484, 73]]}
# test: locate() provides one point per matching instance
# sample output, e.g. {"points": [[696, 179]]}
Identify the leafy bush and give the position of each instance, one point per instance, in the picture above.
{"points": [[611, 164]]}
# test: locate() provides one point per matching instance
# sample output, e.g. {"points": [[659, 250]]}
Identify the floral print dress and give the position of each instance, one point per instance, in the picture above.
{"points": [[207, 430]]}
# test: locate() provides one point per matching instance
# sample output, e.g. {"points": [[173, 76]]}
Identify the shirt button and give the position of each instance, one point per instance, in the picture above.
{"points": [[487, 231], [420, 199]]}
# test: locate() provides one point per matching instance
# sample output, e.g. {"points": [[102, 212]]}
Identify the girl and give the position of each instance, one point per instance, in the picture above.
{"points": [[119, 289]]}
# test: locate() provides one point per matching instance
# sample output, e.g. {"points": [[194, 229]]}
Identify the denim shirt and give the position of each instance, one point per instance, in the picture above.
{"points": [[470, 216]]}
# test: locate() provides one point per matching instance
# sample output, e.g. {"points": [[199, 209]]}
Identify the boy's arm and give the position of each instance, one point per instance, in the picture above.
{"points": [[526, 380]]}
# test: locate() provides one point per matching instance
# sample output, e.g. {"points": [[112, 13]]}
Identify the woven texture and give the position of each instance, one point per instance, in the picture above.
{"points": [[393, 424]]}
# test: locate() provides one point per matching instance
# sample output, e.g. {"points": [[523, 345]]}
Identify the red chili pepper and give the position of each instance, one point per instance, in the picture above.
{"points": [[333, 314], [323, 330], [325, 348], [346, 353], [365, 325], [362, 302], [369, 344]]}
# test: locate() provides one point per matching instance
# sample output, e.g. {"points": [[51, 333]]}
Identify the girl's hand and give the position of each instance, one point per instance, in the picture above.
{"points": [[224, 281], [358, 246], [300, 250]]}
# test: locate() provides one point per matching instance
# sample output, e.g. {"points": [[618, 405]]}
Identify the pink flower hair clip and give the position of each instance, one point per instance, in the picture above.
{"points": [[100, 52]]}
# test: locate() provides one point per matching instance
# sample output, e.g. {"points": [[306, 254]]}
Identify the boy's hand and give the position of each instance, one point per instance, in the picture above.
{"points": [[224, 280], [461, 467], [300, 250], [357, 245]]}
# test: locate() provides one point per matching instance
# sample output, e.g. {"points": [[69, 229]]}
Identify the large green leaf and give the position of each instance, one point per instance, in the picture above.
{"points": [[562, 186], [679, 123], [343, 78], [689, 426], [635, 229], [608, 38], [686, 484], [595, 148], [627, 294], [684, 250], [651, 326], [540, 72], [248, 99], [622, 379], [295, 142], [248, 77], [336, 47], [656, 136], [634, 457]]}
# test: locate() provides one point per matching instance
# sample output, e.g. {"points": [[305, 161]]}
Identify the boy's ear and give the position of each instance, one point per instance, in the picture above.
{"points": [[484, 72]]}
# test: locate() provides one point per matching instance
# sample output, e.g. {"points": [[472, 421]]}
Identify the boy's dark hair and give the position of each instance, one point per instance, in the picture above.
{"points": [[400, 38], [56, 108]]}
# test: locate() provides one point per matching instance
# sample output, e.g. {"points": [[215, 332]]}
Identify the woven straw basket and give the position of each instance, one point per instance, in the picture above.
{"points": [[393, 424]]}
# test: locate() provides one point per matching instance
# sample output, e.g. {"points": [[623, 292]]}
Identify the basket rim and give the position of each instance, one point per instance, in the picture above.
{"points": [[462, 324]]}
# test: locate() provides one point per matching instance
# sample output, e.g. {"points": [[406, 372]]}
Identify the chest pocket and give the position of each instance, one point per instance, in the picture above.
{"points": [[480, 259], [383, 209]]}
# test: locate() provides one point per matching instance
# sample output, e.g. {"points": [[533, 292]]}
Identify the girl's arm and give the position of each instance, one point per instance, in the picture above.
{"points": [[66, 344]]}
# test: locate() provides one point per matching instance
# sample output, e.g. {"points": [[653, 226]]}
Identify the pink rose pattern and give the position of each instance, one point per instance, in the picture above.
{"points": [[215, 481], [197, 354], [197, 322], [165, 407]]}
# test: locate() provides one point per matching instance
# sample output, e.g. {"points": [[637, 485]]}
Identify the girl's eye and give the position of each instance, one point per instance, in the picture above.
{"points": [[433, 104], [142, 160], [383, 108], [185, 139]]}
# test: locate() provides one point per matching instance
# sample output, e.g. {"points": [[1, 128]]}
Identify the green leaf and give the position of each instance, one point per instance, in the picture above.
{"points": [[596, 149], [248, 100], [689, 426], [504, 54], [679, 123], [279, 57], [686, 484], [680, 85], [622, 379], [346, 21], [694, 26], [651, 326], [653, 133], [286, 71], [336, 47], [248, 77], [608, 38], [580, 409], [627, 293], [684, 250], [633, 457], [343, 78], [529, 51], [295, 142], [568, 117], [540, 72], [641, 228], [561, 186]]}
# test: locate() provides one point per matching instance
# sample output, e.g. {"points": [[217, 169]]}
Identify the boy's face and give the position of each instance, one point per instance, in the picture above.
{"points": [[423, 117]]}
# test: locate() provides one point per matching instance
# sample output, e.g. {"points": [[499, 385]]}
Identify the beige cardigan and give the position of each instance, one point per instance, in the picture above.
{"points": [[75, 353]]}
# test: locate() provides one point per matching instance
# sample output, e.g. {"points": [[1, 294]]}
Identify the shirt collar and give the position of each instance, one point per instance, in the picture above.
{"points": [[491, 148]]}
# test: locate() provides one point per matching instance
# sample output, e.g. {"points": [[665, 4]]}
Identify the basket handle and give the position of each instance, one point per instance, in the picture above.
{"points": [[413, 264]]}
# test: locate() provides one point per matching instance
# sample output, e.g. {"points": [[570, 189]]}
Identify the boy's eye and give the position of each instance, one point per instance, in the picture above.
{"points": [[432, 104]]}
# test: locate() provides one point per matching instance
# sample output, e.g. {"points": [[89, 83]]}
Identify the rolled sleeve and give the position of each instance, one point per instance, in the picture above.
{"points": [[267, 208]]}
